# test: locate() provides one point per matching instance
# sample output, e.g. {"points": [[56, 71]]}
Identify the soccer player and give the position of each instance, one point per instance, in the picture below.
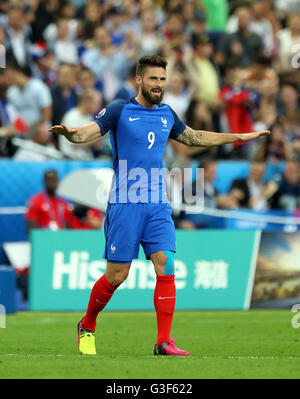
{"points": [[139, 129]]}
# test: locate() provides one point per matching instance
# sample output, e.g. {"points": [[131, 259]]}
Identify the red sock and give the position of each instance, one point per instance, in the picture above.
{"points": [[164, 303], [100, 296]]}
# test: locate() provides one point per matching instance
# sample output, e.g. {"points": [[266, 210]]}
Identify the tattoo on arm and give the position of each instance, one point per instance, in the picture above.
{"points": [[190, 137], [75, 138]]}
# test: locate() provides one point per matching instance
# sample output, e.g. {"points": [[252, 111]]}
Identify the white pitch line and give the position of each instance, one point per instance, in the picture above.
{"points": [[151, 356]]}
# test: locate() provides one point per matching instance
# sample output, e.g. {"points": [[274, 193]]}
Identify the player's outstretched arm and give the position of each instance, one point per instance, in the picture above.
{"points": [[78, 135], [199, 138]]}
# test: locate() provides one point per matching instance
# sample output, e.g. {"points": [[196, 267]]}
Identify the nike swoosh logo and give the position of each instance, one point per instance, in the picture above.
{"points": [[133, 119], [101, 303], [166, 297]]}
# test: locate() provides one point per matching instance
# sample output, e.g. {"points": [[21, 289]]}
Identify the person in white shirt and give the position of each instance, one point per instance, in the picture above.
{"points": [[65, 49], [289, 43], [30, 96], [39, 139], [177, 94], [89, 103], [150, 40]]}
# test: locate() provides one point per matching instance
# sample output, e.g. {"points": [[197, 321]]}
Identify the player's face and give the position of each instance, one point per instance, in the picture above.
{"points": [[152, 84]]}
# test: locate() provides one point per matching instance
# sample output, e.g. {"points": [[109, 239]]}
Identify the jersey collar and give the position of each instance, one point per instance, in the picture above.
{"points": [[133, 100]]}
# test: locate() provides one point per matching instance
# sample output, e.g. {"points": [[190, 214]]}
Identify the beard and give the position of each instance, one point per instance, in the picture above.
{"points": [[151, 97]]}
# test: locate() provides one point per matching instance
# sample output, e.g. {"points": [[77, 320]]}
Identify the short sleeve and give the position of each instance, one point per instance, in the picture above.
{"points": [[107, 118], [178, 126], [44, 94], [32, 210]]}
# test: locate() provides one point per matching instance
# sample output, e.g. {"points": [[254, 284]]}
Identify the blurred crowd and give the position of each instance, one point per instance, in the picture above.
{"points": [[233, 66]]}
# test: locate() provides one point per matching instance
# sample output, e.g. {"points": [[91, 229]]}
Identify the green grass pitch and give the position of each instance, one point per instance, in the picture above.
{"points": [[223, 344]]}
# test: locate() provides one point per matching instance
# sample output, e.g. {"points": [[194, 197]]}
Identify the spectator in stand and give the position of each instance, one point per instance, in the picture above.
{"points": [[289, 39], [66, 11], [84, 218], [276, 147], [114, 23], [198, 28], [85, 79], [65, 50], [106, 62], [40, 138], [173, 32], [150, 39], [199, 117], [249, 192], [46, 210], [243, 45], [288, 102], [259, 24], [64, 94], [216, 21], [10, 121], [285, 8], [207, 73], [30, 96], [177, 93], [92, 18], [132, 11], [89, 103], [129, 88], [183, 82], [212, 199], [237, 104], [44, 14], [284, 189], [262, 78], [18, 36], [45, 66]]}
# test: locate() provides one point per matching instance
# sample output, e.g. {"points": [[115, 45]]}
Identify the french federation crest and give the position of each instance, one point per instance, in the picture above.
{"points": [[164, 121], [101, 113]]}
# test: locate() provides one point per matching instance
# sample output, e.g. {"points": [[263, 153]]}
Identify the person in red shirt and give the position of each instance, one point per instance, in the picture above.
{"points": [[46, 210], [238, 104], [84, 218]]}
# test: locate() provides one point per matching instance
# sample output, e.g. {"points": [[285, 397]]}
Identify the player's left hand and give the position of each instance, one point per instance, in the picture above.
{"points": [[62, 130], [252, 136]]}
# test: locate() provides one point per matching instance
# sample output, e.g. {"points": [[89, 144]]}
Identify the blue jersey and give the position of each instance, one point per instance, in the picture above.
{"points": [[138, 137]]}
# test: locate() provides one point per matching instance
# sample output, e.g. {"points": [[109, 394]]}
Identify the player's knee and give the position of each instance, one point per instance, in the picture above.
{"points": [[119, 277]]}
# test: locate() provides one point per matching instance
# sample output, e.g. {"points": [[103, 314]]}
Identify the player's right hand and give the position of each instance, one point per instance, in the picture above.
{"points": [[63, 130]]}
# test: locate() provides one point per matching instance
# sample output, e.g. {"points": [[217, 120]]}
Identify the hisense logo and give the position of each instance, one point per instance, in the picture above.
{"points": [[76, 271]]}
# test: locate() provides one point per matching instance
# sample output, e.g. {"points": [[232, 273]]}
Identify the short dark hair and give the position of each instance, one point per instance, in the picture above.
{"points": [[150, 61], [50, 173], [12, 63], [206, 162]]}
